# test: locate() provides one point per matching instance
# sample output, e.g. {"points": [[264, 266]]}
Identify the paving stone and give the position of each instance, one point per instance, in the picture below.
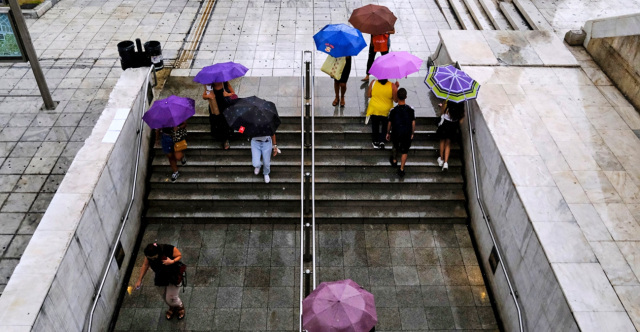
{"points": [[200, 319], [406, 275], [257, 256], [435, 296], [41, 202], [450, 256], [14, 165], [426, 256], [25, 149], [281, 297], [146, 318], [257, 277], [388, 319], [210, 257], [226, 319], [231, 276], [30, 223], [81, 134], [284, 257], [354, 256], [18, 202], [6, 148], [8, 182], [203, 297], [455, 275], [282, 276], [358, 274], [205, 276], [440, 318], [261, 238], [37, 134], [280, 319], [10, 222], [402, 256], [413, 319], [253, 319], [41, 165], [17, 246], [381, 276], [385, 296], [379, 256], [466, 318], [5, 240], [255, 297], [229, 297], [30, 183]]}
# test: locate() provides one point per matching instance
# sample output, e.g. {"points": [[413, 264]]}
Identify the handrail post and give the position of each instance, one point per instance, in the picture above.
{"points": [[308, 255]]}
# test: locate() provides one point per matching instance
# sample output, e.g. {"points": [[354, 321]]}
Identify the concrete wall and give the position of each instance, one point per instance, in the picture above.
{"points": [[614, 43], [542, 301], [52, 287]]}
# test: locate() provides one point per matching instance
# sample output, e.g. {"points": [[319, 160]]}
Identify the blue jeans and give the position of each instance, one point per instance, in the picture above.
{"points": [[261, 149]]}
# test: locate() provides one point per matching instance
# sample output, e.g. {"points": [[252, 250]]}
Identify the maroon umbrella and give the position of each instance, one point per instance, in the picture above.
{"points": [[339, 306], [373, 19]]}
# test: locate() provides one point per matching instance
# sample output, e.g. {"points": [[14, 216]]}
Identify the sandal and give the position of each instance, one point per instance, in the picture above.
{"points": [[335, 102], [226, 145], [169, 313], [180, 313], [342, 102]]}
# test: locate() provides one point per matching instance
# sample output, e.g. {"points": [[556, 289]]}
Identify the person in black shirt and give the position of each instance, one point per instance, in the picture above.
{"points": [[400, 130], [162, 259]]}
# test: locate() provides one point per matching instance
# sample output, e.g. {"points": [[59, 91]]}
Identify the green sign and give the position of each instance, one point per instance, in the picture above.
{"points": [[10, 49]]}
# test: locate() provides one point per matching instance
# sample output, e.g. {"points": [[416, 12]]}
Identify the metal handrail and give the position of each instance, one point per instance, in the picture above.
{"points": [[302, 177], [313, 170], [486, 218], [96, 297]]}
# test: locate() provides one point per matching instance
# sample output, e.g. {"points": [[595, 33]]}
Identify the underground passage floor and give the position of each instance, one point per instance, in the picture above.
{"points": [[245, 277]]}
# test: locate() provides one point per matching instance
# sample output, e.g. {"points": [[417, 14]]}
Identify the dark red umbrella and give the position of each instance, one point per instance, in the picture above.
{"points": [[373, 19]]}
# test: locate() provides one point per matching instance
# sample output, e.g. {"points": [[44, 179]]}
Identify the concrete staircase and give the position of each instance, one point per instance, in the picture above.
{"points": [[354, 182], [493, 15]]}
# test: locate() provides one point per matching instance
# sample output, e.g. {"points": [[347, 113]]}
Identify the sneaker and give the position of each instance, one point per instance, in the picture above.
{"points": [[175, 176], [440, 162], [256, 170], [400, 172], [392, 162], [382, 145], [267, 179], [376, 145], [445, 166], [183, 160]]}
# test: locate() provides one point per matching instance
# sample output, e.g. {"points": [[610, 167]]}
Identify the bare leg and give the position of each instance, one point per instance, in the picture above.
{"points": [[442, 149], [343, 90], [336, 88], [447, 149], [403, 160], [172, 162]]}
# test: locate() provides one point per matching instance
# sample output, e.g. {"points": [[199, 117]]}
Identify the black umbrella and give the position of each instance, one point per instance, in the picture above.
{"points": [[253, 116]]}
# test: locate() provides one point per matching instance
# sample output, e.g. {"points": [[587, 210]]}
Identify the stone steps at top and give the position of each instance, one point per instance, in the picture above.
{"points": [[354, 182], [493, 15]]}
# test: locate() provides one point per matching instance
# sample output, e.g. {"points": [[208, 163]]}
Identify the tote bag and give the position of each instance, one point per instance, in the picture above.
{"points": [[334, 66]]}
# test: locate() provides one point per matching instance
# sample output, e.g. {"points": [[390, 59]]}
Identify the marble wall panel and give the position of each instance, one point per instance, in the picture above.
{"points": [[590, 222], [508, 132], [545, 204], [577, 156], [631, 252], [528, 171], [597, 187], [604, 321]]}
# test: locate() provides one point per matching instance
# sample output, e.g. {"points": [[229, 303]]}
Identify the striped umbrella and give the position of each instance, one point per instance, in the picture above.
{"points": [[451, 83]]}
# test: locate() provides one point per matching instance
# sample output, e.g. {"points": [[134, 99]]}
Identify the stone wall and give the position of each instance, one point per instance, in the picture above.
{"points": [[614, 43], [543, 304], [52, 287]]}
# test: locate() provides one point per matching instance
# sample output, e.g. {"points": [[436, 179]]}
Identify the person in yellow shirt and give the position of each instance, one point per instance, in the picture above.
{"points": [[382, 94]]}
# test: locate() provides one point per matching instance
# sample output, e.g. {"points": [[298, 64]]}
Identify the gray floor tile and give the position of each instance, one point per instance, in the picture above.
{"points": [[281, 297], [409, 296], [280, 319], [255, 297], [253, 319], [379, 256], [440, 318], [10, 222], [257, 256], [257, 277], [381, 276], [388, 319], [385, 296], [402, 256], [226, 319], [229, 297], [466, 318], [413, 319], [435, 296], [460, 296], [203, 297], [18, 202], [231, 276], [199, 319], [358, 274], [205, 276], [406, 275]]}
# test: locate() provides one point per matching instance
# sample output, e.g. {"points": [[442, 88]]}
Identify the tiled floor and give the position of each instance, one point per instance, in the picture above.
{"points": [[246, 277]]}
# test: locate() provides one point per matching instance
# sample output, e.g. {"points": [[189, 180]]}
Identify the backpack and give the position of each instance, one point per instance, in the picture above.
{"points": [[380, 43]]}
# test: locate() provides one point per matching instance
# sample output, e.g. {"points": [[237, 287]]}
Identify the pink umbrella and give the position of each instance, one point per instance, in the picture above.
{"points": [[339, 306], [395, 65]]}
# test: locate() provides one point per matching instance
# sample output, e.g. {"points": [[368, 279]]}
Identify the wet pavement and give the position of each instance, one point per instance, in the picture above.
{"points": [[246, 277]]}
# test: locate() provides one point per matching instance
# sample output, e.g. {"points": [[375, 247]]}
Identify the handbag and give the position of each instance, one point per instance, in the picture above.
{"points": [[380, 43], [179, 146], [180, 276], [334, 66]]}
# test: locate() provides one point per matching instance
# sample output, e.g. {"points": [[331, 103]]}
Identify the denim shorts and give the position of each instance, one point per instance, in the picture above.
{"points": [[167, 144]]}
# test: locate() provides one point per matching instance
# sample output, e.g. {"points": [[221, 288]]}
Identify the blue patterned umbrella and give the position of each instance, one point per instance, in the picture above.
{"points": [[339, 40], [451, 83]]}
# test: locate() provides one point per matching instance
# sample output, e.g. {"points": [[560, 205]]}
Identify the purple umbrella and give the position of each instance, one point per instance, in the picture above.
{"points": [[220, 72], [339, 306], [395, 65], [169, 112]]}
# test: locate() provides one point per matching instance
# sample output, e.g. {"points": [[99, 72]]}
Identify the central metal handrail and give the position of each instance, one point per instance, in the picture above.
{"points": [[143, 108]]}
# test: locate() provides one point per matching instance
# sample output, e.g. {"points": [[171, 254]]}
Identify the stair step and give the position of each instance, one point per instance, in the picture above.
{"points": [[464, 17], [289, 160], [449, 14], [372, 180], [492, 9], [533, 16], [513, 16], [479, 16], [432, 213], [182, 197], [339, 143]]}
